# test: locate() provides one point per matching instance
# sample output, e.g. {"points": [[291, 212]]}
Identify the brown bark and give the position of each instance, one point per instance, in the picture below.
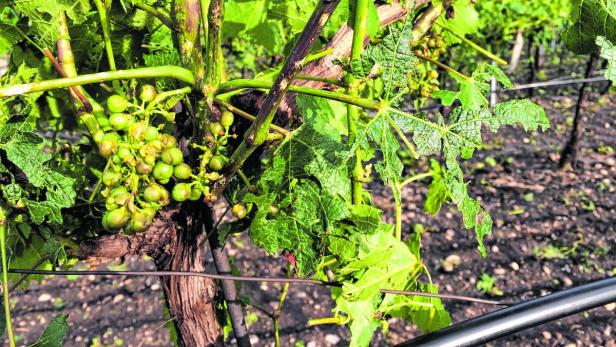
{"points": [[173, 242]]}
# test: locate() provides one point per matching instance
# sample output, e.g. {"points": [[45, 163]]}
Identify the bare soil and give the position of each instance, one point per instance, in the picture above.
{"points": [[535, 206]]}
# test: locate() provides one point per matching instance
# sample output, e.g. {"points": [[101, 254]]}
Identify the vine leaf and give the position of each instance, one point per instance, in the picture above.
{"points": [[608, 52], [309, 177], [382, 262], [428, 314], [23, 150], [465, 21], [591, 18], [54, 333], [461, 142], [390, 167], [395, 57]]}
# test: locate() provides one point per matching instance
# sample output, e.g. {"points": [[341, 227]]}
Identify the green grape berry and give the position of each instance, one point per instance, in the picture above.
{"points": [[195, 193], [162, 171], [143, 168], [147, 93], [137, 131], [151, 133], [168, 141], [124, 153], [181, 192], [432, 74], [153, 193], [172, 156], [111, 178], [115, 219], [217, 162], [226, 119], [239, 211], [182, 171], [117, 103], [107, 148], [119, 121], [216, 129]]}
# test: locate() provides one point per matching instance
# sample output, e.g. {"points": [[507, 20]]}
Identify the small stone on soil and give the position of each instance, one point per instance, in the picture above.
{"points": [[567, 282], [332, 339], [514, 266], [611, 306], [500, 271], [44, 297], [546, 335]]}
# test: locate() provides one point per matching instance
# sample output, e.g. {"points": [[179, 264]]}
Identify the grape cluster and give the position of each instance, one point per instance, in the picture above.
{"points": [[145, 163], [425, 81]]}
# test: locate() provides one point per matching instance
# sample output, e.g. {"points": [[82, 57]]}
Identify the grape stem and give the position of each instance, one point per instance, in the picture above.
{"points": [[5, 278], [353, 112], [475, 46], [256, 135], [168, 71], [102, 13]]}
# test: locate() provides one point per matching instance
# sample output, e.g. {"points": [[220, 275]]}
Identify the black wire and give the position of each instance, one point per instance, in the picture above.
{"points": [[244, 279]]}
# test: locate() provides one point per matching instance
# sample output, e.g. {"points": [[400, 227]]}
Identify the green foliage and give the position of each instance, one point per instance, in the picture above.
{"points": [[487, 284], [608, 52], [54, 333], [23, 150], [590, 18], [394, 58]]}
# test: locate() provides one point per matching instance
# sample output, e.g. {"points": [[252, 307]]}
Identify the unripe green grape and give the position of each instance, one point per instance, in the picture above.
{"points": [[150, 160], [226, 119], [112, 136], [239, 211], [107, 148], [217, 162], [153, 193], [172, 156], [119, 121], [181, 192], [195, 193], [116, 159], [139, 222], [162, 171], [137, 131], [116, 219], [432, 74], [156, 144], [124, 152], [272, 210], [117, 190], [439, 42], [117, 103], [111, 178], [431, 43], [147, 93], [151, 133], [168, 141], [143, 168], [122, 198], [148, 212], [216, 129], [182, 171]]}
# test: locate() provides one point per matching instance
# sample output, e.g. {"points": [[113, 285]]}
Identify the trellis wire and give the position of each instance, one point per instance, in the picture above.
{"points": [[245, 279]]}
